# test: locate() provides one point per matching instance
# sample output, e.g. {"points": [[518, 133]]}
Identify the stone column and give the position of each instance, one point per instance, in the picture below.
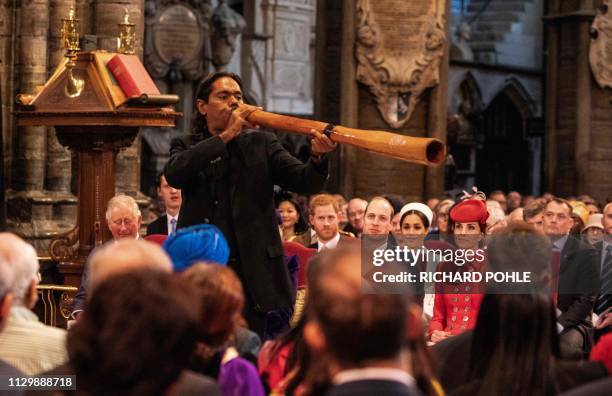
{"points": [[28, 208], [7, 55], [288, 63], [30, 155]]}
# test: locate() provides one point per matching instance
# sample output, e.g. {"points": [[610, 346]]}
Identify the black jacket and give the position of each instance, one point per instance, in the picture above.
{"points": [[159, 226], [578, 283], [255, 162]]}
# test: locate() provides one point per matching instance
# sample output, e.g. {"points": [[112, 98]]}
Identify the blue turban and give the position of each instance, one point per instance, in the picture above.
{"points": [[202, 242]]}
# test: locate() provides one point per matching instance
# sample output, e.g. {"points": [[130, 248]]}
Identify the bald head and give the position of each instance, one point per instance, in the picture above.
{"points": [[126, 256]]}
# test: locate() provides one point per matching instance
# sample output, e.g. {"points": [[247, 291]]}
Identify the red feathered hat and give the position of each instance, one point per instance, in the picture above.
{"points": [[469, 211]]}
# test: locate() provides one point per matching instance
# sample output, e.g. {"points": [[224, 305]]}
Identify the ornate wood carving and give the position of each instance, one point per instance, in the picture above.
{"points": [[63, 247], [600, 53], [398, 61]]}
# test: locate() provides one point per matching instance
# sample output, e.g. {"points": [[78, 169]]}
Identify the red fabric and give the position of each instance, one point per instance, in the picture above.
{"points": [[555, 265], [602, 352], [460, 304], [304, 254], [470, 210], [273, 367], [156, 238]]}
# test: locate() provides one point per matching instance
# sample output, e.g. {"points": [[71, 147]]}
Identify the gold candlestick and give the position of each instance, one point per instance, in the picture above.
{"points": [[127, 35], [70, 42]]}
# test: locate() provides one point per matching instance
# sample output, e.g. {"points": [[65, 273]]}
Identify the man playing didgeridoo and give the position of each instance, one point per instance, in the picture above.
{"points": [[227, 172]]}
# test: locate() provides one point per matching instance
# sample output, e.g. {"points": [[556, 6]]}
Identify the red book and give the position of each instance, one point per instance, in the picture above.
{"points": [[132, 76]]}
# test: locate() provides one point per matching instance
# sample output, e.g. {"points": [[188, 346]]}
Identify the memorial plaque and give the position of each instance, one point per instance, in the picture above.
{"points": [[600, 52], [178, 36], [399, 48]]}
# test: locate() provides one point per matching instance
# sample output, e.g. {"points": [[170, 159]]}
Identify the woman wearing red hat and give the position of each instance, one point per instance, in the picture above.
{"points": [[456, 303]]}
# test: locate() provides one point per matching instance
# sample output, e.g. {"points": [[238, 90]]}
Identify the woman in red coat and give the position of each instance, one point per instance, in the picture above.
{"points": [[457, 302]]}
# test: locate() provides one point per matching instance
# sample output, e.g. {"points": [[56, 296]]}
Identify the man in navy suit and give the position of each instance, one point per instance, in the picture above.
{"points": [[362, 333], [171, 197]]}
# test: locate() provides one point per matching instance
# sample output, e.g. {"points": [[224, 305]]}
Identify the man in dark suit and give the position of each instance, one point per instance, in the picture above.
{"points": [[324, 210], [123, 219], [227, 173], [362, 334], [604, 300], [575, 271], [171, 197]]}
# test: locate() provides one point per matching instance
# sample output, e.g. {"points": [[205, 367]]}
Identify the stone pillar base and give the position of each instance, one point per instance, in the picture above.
{"points": [[38, 216]]}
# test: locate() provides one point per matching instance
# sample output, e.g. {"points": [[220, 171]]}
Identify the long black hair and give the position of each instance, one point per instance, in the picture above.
{"points": [[198, 124], [514, 346]]}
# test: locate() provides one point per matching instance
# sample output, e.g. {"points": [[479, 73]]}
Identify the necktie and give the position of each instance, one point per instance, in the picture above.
{"points": [[172, 226], [605, 295], [555, 265]]}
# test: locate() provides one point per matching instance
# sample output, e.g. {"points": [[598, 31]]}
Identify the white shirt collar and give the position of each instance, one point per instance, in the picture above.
{"points": [[374, 373], [331, 244]]}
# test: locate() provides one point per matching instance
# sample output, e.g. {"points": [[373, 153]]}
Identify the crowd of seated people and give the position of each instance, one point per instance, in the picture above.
{"points": [[161, 313]]}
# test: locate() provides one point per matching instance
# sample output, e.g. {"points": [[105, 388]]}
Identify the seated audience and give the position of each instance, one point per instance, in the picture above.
{"points": [[222, 301], [360, 334], [136, 337], [518, 248], [324, 219], [575, 279], [171, 198], [198, 243], [123, 219], [25, 343], [356, 210], [533, 214], [456, 303], [6, 301], [292, 220], [593, 231]]}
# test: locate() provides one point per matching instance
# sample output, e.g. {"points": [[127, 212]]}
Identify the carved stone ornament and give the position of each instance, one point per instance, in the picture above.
{"points": [[600, 53], [177, 38], [399, 48]]}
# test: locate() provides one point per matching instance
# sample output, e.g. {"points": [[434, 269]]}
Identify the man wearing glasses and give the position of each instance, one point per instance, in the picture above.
{"points": [[123, 219], [575, 279]]}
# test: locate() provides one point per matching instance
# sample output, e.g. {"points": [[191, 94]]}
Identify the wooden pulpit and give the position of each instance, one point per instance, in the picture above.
{"points": [[92, 117]]}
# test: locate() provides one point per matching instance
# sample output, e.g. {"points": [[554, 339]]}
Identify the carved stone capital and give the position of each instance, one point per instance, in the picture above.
{"points": [[398, 61], [600, 52]]}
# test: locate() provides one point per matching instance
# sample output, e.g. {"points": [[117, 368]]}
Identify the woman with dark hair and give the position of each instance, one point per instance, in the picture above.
{"points": [[222, 301], [515, 347], [293, 222], [415, 220], [456, 303]]}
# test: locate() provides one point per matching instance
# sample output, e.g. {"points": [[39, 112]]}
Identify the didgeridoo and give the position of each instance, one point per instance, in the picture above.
{"points": [[426, 151]]}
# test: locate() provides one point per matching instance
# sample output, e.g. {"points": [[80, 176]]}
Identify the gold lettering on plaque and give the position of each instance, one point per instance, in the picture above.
{"points": [[399, 48], [600, 52]]}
